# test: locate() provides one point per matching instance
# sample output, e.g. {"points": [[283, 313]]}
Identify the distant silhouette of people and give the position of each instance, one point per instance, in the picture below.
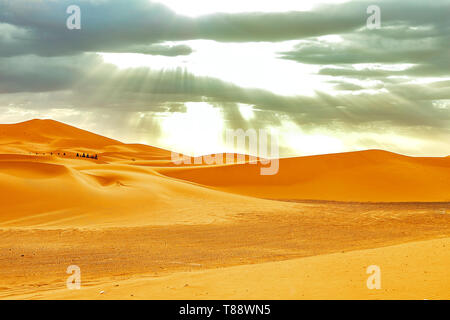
{"points": [[86, 155]]}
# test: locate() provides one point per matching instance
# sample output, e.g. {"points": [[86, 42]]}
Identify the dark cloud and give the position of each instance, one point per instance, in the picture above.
{"points": [[425, 57], [347, 86], [39, 27], [34, 74], [91, 83], [158, 50], [413, 33], [367, 48]]}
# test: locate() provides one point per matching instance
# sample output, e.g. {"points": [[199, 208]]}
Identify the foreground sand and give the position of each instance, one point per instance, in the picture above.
{"points": [[33, 261], [140, 228], [417, 270]]}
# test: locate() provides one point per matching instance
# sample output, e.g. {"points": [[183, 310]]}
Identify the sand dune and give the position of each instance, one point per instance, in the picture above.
{"points": [[372, 175], [84, 195], [45, 136], [66, 191], [51, 133], [132, 215]]}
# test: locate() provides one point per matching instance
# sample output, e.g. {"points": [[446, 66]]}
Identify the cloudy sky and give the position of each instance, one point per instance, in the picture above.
{"points": [[177, 73]]}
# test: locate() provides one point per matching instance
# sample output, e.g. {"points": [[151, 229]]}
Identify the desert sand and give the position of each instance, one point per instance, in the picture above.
{"points": [[140, 227]]}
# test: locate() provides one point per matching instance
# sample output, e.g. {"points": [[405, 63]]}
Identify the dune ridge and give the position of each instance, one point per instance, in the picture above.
{"points": [[372, 175]]}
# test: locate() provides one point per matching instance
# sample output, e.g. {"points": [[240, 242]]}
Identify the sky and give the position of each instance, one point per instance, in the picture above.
{"points": [[177, 74]]}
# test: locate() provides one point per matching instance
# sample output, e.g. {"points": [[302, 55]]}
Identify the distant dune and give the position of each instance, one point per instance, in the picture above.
{"points": [[372, 175], [132, 215], [53, 136]]}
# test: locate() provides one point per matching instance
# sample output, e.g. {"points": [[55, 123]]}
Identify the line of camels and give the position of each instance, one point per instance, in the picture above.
{"points": [[79, 155]]}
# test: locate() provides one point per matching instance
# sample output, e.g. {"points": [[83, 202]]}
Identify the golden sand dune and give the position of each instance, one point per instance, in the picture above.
{"points": [[372, 175], [46, 136], [63, 190], [80, 195], [134, 219], [51, 133]]}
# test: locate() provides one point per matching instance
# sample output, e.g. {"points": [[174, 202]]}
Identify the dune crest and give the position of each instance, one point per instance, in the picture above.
{"points": [[373, 175]]}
